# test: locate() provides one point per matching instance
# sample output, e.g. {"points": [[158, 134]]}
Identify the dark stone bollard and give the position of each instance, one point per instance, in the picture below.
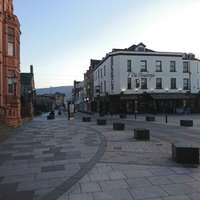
{"points": [[185, 153], [118, 126], [101, 121], [150, 118], [141, 134], [86, 119], [186, 122], [123, 116]]}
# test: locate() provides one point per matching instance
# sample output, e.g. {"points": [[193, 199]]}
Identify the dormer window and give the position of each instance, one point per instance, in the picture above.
{"points": [[141, 48]]}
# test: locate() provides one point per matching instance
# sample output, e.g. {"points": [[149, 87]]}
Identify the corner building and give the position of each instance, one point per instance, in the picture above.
{"points": [[138, 79], [10, 107]]}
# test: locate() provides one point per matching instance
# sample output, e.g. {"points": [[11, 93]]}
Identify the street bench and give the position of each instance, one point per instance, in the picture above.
{"points": [[122, 116], [150, 118], [141, 134], [86, 119], [185, 153], [186, 122], [51, 115], [101, 121], [118, 126]]}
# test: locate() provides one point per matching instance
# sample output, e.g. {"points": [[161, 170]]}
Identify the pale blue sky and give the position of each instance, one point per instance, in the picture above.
{"points": [[59, 37]]}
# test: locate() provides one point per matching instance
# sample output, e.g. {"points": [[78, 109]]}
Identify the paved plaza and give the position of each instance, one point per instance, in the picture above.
{"points": [[69, 160]]}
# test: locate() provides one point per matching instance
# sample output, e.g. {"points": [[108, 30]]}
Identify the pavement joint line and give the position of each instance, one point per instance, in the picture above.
{"points": [[64, 187]]}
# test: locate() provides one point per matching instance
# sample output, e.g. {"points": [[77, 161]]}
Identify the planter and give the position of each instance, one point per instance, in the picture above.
{"points": [[185, 153], [101, 121], [141, 134], [150, 118], [123, 116], [186, 122], [118, 126], [86, 119]]}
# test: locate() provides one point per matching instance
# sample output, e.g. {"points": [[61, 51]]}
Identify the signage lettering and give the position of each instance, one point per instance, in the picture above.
{"points": [[141, 75]]}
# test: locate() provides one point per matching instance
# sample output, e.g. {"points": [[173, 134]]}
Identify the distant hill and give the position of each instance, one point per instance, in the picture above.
{"points": [[67, 90]]}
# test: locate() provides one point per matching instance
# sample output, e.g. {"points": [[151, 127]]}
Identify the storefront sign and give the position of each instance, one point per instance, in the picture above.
{"points": [[112, 73], [141, 75]]}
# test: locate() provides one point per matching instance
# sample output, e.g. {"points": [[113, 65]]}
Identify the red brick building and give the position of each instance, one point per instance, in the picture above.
{"points": [[10, 106]]}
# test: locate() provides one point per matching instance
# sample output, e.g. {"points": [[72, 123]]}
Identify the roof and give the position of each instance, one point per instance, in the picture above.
{"points": [[26, 78], [134, 48], [94, 63]]}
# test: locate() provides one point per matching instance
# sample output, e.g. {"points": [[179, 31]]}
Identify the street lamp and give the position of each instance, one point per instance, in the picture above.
{"points": [[97, 89]]}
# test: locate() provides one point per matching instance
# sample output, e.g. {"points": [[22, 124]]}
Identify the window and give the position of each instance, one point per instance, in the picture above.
{"points": [[98, 73], [172, 66], [10, 86], [185, 83], [158, 66], [101, 88], [185, 67], [143, 65], [141, 49], [104, 86], [11, 40], [104, 70], [173, 83], [143, 83], [128, 65], [158, 83], [137, 83], [129, 83], [101, 73]]}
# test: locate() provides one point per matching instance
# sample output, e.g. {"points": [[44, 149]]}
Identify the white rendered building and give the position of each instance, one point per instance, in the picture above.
{"points": [[139, 79]]}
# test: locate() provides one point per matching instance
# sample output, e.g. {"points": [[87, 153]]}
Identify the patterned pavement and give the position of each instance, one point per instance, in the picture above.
{"points": [[73, 160], [46, 157]]}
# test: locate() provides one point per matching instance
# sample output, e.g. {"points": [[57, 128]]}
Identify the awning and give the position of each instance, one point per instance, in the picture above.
{"points": [[169, 96]]}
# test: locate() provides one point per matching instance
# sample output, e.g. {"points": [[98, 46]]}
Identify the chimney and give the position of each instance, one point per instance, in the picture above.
{"points": [[31, 69]]}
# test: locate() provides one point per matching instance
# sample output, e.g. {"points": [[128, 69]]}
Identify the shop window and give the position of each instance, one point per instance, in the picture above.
{"points": [[129, 83], [158, 83], [185, 83], [143, 83], [137, 83], [173, 83]]}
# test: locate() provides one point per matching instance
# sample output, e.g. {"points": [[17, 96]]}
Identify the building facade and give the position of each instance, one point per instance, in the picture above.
{"points": [[137, 79], [28, 94], [10, 107]]}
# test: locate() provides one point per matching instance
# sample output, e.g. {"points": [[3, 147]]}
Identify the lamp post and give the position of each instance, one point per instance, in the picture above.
{"points": [[97, 88], [136, 104]]}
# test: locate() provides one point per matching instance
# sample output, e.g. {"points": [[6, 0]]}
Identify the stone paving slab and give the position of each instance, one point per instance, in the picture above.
{"points": [[137, 170], [61, 159], [151, 182], [43, 155]]}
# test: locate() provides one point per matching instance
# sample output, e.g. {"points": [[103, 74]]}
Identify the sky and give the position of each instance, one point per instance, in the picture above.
{"points": [[59, 37]]}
